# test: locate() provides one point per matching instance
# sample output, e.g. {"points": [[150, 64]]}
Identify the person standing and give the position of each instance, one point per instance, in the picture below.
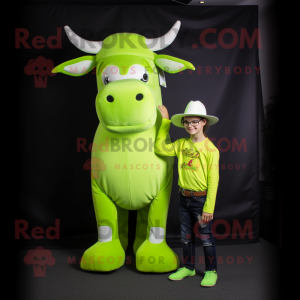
{"points": [[198, 170]]}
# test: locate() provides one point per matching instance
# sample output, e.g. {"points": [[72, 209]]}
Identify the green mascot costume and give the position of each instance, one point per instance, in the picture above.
{"points": [[126, 173]]}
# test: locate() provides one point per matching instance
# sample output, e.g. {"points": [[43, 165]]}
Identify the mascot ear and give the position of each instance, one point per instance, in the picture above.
{"points": [[172, 64], [76, 67]]}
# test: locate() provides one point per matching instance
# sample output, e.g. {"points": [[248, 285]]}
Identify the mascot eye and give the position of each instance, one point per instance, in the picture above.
{"points": [[106, 80], [145, 77]]}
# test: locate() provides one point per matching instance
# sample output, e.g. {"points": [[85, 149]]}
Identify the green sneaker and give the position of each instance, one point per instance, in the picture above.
{"points": [[181, 273], [210, 278]]}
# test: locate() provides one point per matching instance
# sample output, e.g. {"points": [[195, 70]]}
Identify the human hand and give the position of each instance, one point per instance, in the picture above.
{"points": [[206, 217], [164, 111]]}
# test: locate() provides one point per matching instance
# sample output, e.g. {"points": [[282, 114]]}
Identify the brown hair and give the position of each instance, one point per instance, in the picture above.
{"points": [[205, 127]]}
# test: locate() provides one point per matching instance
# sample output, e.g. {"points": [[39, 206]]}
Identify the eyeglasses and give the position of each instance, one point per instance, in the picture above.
{"points": [[194, 123]]}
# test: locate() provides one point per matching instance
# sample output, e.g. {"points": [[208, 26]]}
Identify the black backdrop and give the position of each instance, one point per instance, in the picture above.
{"points": [[54, 112]]}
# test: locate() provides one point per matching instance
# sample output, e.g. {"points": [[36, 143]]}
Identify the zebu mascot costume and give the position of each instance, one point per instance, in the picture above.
{"points": [[126, 172]]}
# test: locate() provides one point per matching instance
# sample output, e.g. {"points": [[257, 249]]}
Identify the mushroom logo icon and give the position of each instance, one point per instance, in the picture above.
{"points": [[87, 165], [39, 259], [40, 68], [94, 165]]}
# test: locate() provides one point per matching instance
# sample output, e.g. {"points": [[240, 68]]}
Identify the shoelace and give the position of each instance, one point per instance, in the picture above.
{"points": [[180, 269], [209, 273]]}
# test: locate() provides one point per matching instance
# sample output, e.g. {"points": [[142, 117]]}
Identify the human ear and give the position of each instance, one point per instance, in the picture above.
{"points": [[204, 120]]}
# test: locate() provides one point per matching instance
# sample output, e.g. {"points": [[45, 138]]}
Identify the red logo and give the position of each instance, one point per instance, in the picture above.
{"points": [[39, 259], [38, 41], [239, 39], [94, 165], [40, 68]]}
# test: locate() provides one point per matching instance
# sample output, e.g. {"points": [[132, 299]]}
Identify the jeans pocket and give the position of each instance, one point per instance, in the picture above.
{"points": [[200, 199]]}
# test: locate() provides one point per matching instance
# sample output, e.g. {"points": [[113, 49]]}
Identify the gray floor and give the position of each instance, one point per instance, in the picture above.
{"points": [[257, 279]]}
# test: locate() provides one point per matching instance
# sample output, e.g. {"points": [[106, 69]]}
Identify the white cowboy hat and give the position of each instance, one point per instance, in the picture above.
{"points": [[194, 108]]}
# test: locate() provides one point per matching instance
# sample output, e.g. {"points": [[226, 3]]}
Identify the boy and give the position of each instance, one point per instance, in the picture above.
{"points": [[198, 170]]}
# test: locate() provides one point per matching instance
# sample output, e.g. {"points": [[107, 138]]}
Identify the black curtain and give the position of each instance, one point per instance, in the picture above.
{"points": [[57, 112]]}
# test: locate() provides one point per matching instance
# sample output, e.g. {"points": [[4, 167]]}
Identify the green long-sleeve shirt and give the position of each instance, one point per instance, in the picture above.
{"points": [[198, 163]]}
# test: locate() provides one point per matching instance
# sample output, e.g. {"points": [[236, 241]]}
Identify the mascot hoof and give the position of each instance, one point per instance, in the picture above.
{"points": [[103, 257], [156, 258]]}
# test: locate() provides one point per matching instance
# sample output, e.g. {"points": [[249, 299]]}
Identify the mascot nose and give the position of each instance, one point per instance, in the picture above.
{"points": [[139, 97], [110, 98]]}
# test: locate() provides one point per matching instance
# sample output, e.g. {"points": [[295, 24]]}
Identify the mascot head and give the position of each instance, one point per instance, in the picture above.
{"points": [[128, 72]]}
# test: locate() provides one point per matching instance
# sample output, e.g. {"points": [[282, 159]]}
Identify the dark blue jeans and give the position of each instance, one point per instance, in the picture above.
{"points": [[191, 225]]}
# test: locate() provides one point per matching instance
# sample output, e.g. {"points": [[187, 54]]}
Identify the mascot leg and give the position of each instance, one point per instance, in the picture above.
{"points": [[107, 254], [123, 226], [141, 227], [154, 255]]}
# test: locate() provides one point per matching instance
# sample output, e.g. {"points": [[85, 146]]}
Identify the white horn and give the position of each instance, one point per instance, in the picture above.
{"points": [[82, 44], [165, 40]]}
